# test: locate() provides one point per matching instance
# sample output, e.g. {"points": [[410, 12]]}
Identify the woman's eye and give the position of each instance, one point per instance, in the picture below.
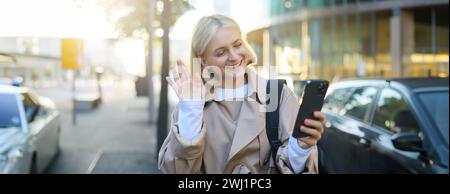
{"points": [[220, 54], [238, 44]]}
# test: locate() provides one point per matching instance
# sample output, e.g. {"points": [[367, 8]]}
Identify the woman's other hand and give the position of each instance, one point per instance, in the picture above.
{"points": [[314, 129], [186, 87]]}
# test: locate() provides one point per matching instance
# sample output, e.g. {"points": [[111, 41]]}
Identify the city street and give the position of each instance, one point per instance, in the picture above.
{"points": [[377, 70], [114, 138]]}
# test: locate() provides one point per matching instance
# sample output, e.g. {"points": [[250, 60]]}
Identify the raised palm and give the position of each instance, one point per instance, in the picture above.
{"points": [[184, 84]]}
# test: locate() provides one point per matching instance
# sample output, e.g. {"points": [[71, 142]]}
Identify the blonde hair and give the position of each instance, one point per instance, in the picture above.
{"points": [[204, 31]]}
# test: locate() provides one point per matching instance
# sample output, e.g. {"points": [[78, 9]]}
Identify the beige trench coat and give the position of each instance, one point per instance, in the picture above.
{"points": [[250, 149]]}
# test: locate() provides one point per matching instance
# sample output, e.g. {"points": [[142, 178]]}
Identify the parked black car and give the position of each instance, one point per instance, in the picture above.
{"points": [[386, 126]]}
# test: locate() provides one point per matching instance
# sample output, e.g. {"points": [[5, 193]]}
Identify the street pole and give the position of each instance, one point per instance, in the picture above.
{"points": [[98, 76], [74, 103], [149, 72], [163, 101]]}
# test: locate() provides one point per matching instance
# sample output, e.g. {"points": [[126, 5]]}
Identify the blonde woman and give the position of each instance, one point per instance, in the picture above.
{"points": [[219, 124]]}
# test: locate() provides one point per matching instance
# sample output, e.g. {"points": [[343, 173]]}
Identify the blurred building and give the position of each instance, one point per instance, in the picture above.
{"points": [[38, 59], [353, 38]]}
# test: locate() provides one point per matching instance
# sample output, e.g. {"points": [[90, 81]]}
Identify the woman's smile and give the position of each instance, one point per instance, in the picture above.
{"points": [[234, 67]]}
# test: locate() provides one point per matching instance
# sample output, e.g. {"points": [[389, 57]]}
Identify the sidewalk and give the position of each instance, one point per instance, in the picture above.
{"points": [[114, 138]]}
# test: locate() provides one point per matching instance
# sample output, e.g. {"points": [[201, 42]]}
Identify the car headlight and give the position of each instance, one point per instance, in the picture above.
{"points": [[9, 158], [14, 154]]}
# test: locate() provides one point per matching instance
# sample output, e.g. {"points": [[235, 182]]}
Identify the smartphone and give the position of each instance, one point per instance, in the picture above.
{"points": [[313, 94]]}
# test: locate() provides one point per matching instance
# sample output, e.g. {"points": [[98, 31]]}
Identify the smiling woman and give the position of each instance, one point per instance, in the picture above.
{"points": [[219, 124]]}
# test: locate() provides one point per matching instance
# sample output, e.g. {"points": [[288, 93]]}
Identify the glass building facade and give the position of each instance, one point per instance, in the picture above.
{"points": [[328, 39]]}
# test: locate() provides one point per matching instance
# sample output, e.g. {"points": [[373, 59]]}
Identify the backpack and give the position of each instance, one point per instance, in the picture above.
{"points": [[272, 118]]}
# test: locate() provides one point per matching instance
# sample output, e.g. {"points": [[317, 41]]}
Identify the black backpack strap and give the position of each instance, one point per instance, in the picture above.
{"points": [[272, 118]]}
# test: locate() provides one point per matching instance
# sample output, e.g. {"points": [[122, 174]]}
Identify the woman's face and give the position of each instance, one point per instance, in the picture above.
{"points": [[227, 52]]}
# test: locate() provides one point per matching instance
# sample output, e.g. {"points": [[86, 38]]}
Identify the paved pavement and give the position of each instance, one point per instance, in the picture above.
{"points": [[114, 138]]}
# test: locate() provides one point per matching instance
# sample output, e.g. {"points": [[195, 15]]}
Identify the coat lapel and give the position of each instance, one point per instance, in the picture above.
{"points": [[250, 124], [252, 114]]}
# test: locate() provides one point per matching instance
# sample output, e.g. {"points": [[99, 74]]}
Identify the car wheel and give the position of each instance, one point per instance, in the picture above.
{"points": [[33, 167], [58, 146], [321, 162]]}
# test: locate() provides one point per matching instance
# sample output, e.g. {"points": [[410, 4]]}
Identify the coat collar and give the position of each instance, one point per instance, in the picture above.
{"points": [[256, 87]]}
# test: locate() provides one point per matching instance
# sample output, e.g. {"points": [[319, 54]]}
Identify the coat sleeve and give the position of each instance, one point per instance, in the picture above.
{"points": [[288, 113], [179, 155]]}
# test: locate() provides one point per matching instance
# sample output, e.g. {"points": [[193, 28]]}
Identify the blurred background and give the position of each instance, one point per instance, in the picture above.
{"points": [[94, 67]]}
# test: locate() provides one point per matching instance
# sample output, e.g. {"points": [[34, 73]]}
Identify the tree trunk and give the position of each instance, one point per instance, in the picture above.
{"points": [[163, 102], [149, 69]]}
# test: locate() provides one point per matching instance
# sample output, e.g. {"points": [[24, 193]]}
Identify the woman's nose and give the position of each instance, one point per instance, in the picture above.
{"points": [[233, 57]]}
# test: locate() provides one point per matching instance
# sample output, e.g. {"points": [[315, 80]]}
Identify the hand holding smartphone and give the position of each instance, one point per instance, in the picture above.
{"points": [[312, 100]]}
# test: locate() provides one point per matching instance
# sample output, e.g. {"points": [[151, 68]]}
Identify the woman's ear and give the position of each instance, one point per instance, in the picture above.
{"points": [[203, 62], [250, 61]]}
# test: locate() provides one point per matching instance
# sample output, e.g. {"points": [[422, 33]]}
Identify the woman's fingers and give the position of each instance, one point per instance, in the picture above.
{"points": [[309, 141], [311, 132], [314, 124], [319, 116], [171, 83], [184, 75], [186, 86], [314, 128], [174, 73]]}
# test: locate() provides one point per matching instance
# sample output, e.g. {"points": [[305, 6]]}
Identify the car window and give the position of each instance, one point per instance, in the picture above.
{"points": [[30, 106], [394, 114], [334, 102], [42, 112], [359, 102], [9, 111], [436, 104]]}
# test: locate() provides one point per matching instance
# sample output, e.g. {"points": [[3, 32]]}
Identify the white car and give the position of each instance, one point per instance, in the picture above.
{"points": [[29, 131]]}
